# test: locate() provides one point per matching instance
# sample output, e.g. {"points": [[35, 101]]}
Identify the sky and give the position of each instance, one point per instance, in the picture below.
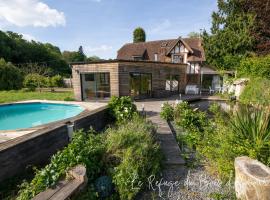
{"points": [[103, 26]]}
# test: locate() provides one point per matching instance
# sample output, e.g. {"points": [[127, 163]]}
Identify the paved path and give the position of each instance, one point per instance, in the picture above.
{"points": [[167, 141], [165, 136]]}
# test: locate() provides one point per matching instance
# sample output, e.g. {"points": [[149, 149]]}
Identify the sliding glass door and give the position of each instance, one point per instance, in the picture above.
{"points": [[140, 85], [95, 85]]}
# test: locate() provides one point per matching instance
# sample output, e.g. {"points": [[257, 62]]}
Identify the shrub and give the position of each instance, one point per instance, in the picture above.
{"points": [[137, 156], [255, 67], [121, 108], [57, 81], [251, 131], [166, 112], [85, 148], [11, 77], [256, 92], [33, 81]]}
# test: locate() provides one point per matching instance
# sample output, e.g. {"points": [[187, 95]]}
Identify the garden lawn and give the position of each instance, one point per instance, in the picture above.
{"points": [[20, 95]]}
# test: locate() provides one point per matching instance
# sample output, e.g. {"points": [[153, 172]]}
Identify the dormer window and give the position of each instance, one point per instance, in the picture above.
{"points": [[156, 57], [137, 58]]}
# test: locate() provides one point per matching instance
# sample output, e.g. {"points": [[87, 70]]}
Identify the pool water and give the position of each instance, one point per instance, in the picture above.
{"points": [[28, 115]]}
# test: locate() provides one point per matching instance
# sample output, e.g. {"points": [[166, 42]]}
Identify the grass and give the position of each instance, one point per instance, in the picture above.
{"points": [[21, 95]]}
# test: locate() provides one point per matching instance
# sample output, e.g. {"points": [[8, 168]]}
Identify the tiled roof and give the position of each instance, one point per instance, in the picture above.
{"points": [[160, 47]]}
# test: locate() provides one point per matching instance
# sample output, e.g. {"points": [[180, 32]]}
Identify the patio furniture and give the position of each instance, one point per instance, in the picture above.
{"points": [[192, 89], [211, 91]]}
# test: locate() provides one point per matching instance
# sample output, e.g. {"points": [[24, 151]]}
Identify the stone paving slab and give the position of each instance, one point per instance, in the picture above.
{"points": [[168, 143]]}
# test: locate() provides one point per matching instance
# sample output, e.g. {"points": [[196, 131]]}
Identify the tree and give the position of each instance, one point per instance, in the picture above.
{"points": [[230, 38], [261, 33], [194, 35], [17, 50], [93, 58], [11, 77], [139, 35]]}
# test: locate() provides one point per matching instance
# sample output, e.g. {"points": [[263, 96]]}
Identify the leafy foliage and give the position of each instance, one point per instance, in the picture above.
{"points": [[227, 136], [33, 81], [121, 108], [166, 111], [251, 129], [194, 35], [261, 32], [11, 77], [136, 156], [255, 67], [230, 39], [17, 50], [256, 92], [85, 148], [139, 35]]}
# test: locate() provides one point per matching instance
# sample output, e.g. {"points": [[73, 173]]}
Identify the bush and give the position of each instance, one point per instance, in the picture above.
{"points": [[226, 136], [251, 131], [255, 67], [11, 77], [85, 148], [121, 108], [57, 81], [256, 92], [33, 81], [166, 111], [136, 156]]}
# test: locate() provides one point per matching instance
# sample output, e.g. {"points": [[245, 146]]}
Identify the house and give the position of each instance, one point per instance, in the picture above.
{"points": [[182, 50], [147, 69]]}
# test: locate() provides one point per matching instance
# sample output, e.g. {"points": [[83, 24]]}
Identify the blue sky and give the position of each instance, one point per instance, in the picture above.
{"points": [[103, 26]]}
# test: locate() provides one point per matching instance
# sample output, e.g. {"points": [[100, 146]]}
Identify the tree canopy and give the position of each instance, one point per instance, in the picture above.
{"points": [[194, 35], [139, 35], [240, 28], [230, 39], [21, 52]]}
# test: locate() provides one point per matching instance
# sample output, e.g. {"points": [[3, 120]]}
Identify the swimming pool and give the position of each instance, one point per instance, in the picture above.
{"points": [[28, 115]]}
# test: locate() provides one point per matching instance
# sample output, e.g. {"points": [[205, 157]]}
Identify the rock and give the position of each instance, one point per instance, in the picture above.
{"points": [[252, 179]]}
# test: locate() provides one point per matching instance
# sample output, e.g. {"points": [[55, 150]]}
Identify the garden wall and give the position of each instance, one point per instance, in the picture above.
{"points": [[36, 148]]}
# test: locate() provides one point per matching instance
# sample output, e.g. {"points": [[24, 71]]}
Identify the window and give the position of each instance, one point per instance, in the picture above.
{"points": [[137, 58], [177, 59], [156, 57], [192, 68], [89, 77], [172, 83]]}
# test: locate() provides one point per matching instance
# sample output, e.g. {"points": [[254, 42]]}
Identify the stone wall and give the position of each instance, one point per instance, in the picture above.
{"points": [[36, 148]]}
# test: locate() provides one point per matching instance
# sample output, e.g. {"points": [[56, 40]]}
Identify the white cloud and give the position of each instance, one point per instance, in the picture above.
{"points": [[28, 37], [30, 13]]}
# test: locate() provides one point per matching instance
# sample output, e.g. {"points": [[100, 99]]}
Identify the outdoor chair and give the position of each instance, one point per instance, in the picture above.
{"points": [[211, 91]]}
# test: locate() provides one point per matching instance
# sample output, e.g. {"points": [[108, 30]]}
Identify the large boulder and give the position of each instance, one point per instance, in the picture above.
{"points": [[252, 179]]}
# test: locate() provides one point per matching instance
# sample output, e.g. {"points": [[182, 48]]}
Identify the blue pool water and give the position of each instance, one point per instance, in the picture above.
{"points": [[18, 116]]}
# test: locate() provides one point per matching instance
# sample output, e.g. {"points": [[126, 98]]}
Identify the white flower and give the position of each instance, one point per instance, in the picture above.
{"points": [[162, 105]]}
